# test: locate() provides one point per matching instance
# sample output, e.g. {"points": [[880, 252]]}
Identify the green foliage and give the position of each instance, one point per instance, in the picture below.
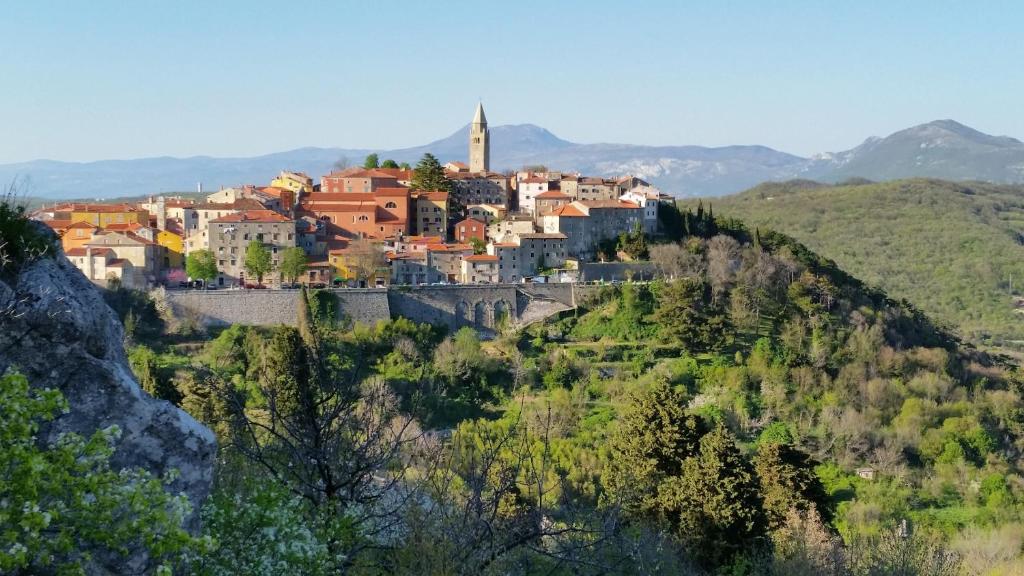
{"points": [[389, 163], [21, 240], [687, 314], [61, 504], [948, 247], [293, 263], [372, 161], [788, 482], [257, 261], [429, 175], [634, 244], [201, 265]]}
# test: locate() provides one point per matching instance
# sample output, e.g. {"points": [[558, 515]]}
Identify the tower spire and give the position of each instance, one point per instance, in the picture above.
{"points": [[479, 142]]}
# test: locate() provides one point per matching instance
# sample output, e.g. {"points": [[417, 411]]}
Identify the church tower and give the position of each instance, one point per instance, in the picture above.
{"points": [[479, 142]]}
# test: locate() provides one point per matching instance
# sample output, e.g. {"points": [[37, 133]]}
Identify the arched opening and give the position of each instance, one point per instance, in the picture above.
{"points": [[462, 314], [501, 313], [391, 205], [480, 314]]}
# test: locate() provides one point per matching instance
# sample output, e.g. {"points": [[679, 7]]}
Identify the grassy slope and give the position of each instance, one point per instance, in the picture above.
{"points": [[950, 248]]}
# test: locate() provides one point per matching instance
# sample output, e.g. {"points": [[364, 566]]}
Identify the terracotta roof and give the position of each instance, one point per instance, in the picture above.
{"points": [[94, 207], [400, 191], [398, 173], [80, 251], [60, 224], [459, 164], [534, 180], [117, 263], [481, 258], [240, 204], [567, 210], [471, 221], [449, 247], [253, 216], [338, 197], [406, 255], [358, 207], [609, 204], [125, 226], [98, 237], [436, 195], [422, 240], [83, 225], [275, 191], [553, 195], [345, 173]]}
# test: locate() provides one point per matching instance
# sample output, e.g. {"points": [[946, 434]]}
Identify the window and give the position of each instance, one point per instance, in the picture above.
{"points": [[391, 205], [363, 218], [245, 236]]}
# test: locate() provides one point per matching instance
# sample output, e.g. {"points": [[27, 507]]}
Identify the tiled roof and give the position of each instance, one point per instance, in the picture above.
{"points": [[400, 191], [60, 224], [609, 204], [481, 258], [567, 210], [83, 225], [337, 197], [471, 221], [258, 216], [81, 251], [240, 204], [94, 207], [449, 247], [435, 196], [552, 195]]}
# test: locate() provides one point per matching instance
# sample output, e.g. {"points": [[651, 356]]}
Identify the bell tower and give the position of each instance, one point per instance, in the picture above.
{"points": [[479, 142]]}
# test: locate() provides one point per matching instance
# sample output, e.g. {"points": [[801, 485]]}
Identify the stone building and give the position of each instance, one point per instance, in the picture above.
{"points": [[586, 224], [470, 188], [479, 142], [229, 236], [431, 213], [479, 269]]}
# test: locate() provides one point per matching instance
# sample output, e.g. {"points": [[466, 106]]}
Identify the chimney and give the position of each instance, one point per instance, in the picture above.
{"points": [[161, 213], [88, 263]]}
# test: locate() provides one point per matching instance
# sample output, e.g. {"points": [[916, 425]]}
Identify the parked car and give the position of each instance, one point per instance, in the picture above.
{"points": [[317, 285]]}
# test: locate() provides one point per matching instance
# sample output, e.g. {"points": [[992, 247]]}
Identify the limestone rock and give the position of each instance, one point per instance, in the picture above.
{"points": [[56, 329]]}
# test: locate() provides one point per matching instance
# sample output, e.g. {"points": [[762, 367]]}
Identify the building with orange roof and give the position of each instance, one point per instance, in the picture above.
{"points": [[230, 235], [528, 186], [75, 235], [380, 214], [586, 223], [548, 201], [447, 259], [479, 269], [101, 266], [101, 215], [362, 180], [145, 255], [470, 229]]}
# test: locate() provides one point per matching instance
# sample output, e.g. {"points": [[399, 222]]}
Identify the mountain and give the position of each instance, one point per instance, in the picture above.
{"points": [[940, 149], [954, 249]]}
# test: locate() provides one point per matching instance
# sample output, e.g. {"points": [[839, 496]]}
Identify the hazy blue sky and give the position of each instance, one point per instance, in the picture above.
{"points": [[91, 80]]}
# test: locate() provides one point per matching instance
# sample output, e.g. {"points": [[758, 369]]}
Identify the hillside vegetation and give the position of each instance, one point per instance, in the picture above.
{"points": [[953, 249]]}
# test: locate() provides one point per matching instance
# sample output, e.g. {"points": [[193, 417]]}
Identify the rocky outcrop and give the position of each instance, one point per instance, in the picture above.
{"points": [[56, 329]]}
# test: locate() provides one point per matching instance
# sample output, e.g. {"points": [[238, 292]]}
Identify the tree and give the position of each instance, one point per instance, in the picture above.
{"points": [[63, 508], [201, 265], [716, 503], [363, 258], [405, 166], [479, 246], [687, 315], [389, 163], [371, 161], [634, 244], [429, 175], [257, 260], [652, 441], [788, 483], [293, 263]]}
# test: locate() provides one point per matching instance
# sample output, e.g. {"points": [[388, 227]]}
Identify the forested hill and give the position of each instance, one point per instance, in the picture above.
{"points": [[953, 249]]}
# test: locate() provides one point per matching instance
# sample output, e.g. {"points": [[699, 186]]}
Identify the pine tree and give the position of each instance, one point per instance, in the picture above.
{"points": [[716, 502], [788, 482], [653, 439], [429, 175]]}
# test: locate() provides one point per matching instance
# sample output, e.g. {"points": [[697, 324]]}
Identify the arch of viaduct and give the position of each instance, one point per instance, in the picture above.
{"points": [[481, 306]]}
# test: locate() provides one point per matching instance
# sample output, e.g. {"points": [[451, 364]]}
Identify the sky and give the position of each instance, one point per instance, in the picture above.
{"points": [[94, 80]]}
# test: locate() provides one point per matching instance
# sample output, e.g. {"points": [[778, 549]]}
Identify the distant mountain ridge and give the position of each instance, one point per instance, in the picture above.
{"points": [[940, 149]]}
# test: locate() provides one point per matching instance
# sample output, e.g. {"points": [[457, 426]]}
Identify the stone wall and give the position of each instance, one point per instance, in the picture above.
{"points": [[481, 306], [612, 271]]}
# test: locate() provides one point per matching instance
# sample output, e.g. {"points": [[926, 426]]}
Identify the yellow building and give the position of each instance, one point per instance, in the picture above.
{"points": [[360, 264], [102, 215], [174, 248], [297, 182]]}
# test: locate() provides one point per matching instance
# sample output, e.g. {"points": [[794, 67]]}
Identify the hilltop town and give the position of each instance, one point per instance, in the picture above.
{"points": [[373, 225]]}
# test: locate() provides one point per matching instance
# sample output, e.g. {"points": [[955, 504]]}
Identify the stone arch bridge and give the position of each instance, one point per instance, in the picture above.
{"points": [[485, 307]]}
